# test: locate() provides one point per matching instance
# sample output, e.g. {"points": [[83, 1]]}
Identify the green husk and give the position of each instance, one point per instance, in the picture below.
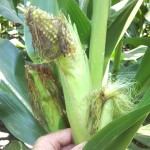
{"points": [[107, 114], [46, 97], [76, 82]]}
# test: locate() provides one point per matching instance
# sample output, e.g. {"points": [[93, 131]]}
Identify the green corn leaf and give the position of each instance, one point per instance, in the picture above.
{"points": [[117, 29], [143, 73], [15, 3], [127, 137], [7, 12], [18, 119], [117, 59], [117, 9], [16, 145], [143, 135], [135, 53], [90, 9], [133, 146], [10, 74], [15, 108], [115, 1], [137, 41], [77, 16], [120, 132], [114, 129], [84, 5]]}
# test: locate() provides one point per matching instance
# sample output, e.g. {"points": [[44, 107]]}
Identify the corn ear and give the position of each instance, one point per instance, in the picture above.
{"points": [[76, 87], [94, 112], [110, 102], [46, 97], [117, 100], [50, 38], [107, 114], [76, 83]]}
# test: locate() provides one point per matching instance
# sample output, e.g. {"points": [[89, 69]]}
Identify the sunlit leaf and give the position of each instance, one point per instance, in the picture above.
{"points": [[134, 54], [7, 12], [143, 73], [77, 16], [137, 41], [117, 29]]}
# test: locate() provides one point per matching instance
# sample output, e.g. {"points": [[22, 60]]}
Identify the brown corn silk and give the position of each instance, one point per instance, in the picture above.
{"points": [[55, 98], [50, 37]]}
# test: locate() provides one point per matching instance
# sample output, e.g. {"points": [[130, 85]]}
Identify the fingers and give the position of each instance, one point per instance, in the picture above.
{"points": [[69, 147], [63, 137], [61, 140], [54, 141], [79, 147]]}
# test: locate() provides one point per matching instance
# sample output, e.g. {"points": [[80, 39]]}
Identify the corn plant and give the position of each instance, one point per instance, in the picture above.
{"points": [[72, 77]]}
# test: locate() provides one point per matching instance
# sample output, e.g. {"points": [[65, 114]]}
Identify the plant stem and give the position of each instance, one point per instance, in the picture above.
{"points": [[116, 65], [98, 39]]}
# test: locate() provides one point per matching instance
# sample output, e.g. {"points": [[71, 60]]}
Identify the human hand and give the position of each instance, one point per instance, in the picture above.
{"points": [[61, 140]]}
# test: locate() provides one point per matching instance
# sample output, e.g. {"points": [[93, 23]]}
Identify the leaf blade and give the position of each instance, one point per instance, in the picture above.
{"points": [[15, 107], [18, 119], [7, 12], [77, 16], [117, 29], [143, 73]]}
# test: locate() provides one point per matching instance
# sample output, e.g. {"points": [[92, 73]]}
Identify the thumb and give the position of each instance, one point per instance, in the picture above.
{"points": [[79, 147]]}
